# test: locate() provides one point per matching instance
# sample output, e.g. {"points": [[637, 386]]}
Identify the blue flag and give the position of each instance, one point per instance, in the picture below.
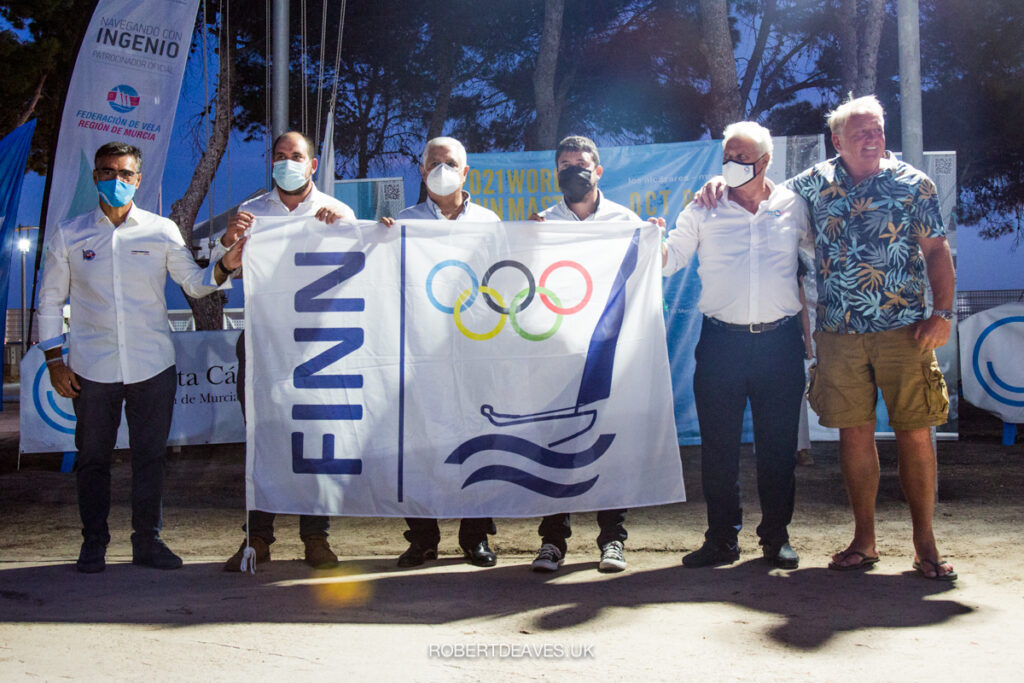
{"points": [[14, 149]]}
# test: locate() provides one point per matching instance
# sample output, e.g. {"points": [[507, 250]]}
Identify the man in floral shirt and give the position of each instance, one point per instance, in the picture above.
{"points": [[877, 229]]}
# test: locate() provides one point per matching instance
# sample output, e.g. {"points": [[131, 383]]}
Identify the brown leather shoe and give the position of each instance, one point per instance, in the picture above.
{"points": [[262, 550], [318, 552]]}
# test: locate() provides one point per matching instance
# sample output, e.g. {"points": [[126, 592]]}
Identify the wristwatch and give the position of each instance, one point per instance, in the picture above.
{"points": [[945, 314]]}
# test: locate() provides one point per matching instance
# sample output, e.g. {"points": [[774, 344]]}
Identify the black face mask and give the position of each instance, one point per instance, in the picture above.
{"points": [[575, 182]]}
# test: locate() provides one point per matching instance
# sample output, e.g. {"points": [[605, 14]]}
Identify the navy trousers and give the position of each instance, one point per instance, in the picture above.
{"points": [[148, 406], [767, 369]]}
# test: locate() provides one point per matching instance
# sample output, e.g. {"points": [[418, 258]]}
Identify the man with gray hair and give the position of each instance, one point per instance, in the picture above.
{"points": [[444, 171], [751, 343], [878, 235]]}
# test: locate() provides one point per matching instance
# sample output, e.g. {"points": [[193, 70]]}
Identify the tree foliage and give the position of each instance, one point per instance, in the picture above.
{"points": [[621, 71]]}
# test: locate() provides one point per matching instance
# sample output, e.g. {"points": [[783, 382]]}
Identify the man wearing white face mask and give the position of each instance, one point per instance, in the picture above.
{"points": [[295, 194], [751, 345], [444, 171]]}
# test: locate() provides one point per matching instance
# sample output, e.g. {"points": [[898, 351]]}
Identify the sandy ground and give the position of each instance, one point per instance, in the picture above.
{"points": [[369, 620]]}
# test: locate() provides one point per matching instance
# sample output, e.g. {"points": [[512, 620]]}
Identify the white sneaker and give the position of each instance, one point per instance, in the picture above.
{"points": [[613, 558], [548, 559]]}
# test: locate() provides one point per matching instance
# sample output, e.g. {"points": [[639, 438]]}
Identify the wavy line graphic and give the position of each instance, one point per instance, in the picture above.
{"points": [[536, 484], [530, 450]]}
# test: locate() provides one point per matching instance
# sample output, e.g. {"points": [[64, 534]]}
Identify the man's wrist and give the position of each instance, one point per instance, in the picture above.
{"points": [[54, 361], [220, 266], [944, 313]]}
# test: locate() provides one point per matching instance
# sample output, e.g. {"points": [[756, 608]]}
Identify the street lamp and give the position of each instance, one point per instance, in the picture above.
{"points": [[24, 244]]}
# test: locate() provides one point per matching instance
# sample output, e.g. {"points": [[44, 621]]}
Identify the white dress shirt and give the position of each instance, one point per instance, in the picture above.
{"points": [[606, 210], [115, 277], [270, 204], [431, 211], [748, 261]]}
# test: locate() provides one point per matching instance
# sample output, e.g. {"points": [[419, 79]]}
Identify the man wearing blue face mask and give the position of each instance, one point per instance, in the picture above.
{"points": [[113, 263], [295, 194], [751, 343], [443, 169]]}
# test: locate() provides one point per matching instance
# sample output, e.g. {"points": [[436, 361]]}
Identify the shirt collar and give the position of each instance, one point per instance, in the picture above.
{"points": [[131, 219], [593, 215], [275, 196], [886, 165], [436, 210]]}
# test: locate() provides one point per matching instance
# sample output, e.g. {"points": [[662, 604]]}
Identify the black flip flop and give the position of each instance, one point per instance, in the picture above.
{"points": [[919, 565], [866, 561]]}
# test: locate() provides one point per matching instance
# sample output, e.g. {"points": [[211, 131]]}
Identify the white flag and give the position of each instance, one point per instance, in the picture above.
{"points": [[450, 369], [124, 88]]}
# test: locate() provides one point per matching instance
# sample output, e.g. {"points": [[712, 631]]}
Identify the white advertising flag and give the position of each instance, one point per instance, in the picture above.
{"points": [[991, 349], [124, 88], [442, 369]]}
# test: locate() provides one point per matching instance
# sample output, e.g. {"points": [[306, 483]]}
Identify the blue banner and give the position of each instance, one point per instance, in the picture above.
{"points": [[654, 181], [14, 149]]}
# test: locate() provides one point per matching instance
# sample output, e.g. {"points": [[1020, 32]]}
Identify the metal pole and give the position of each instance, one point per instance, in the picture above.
{"points": [[24, 303], [908, 19], [279, 85]]}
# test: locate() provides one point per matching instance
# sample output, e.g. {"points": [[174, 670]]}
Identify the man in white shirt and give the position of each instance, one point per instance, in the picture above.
{"points": [[751, 344], [114, 262], [579, 169], [295, 194], [444, 170]]}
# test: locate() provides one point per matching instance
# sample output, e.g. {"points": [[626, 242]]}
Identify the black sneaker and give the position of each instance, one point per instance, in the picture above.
{"points": [[92, 559], [548, 559], [711, 554], [154, 553]]}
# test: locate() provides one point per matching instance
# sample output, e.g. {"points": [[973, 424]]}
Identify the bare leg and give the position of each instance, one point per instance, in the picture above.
{"points": [[917, 478], [858, 460]]}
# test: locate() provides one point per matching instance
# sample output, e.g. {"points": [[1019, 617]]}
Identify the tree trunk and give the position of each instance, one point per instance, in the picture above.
{"points": [[859, 38], [209, 310], [31, 106], [549, 108], [717, 47], [445, 84], [868, 57], [846, 33]]}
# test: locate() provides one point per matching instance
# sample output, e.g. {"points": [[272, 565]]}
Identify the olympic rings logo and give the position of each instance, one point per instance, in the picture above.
{"points": [[518, 303]]}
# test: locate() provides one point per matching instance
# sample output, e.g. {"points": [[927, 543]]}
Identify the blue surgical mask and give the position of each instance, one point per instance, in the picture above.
{"points": [[290, 175], [115, 192]]}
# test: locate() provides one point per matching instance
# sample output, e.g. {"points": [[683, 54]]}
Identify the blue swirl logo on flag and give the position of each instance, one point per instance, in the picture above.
{"points": [[496, 369]]}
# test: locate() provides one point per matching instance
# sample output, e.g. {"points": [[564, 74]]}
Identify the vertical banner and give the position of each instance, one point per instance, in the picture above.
{"points": [[437, 369], [124, 88], [14, 150]]}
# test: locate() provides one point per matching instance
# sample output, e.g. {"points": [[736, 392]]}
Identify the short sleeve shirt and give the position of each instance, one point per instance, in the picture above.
{"points": [[870, 270]]}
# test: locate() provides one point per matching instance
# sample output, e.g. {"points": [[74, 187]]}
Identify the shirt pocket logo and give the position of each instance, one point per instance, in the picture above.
{"points": [[88, 254]]}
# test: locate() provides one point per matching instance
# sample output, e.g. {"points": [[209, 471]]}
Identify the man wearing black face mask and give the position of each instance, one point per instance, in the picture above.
{"points": [[579, 170]]}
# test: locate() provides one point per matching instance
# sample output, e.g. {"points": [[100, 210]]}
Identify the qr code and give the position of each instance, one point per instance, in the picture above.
{"points": [[392, 191], [943, 166]]}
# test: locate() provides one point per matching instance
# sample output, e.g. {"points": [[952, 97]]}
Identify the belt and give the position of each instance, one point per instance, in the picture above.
{"points": [[753, 328]]}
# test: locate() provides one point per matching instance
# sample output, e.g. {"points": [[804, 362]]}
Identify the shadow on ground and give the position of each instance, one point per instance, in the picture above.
{"points": [[811, 605]]}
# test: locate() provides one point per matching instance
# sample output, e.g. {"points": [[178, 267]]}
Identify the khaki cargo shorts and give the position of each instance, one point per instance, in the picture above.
{"points": [[851, 368]]}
